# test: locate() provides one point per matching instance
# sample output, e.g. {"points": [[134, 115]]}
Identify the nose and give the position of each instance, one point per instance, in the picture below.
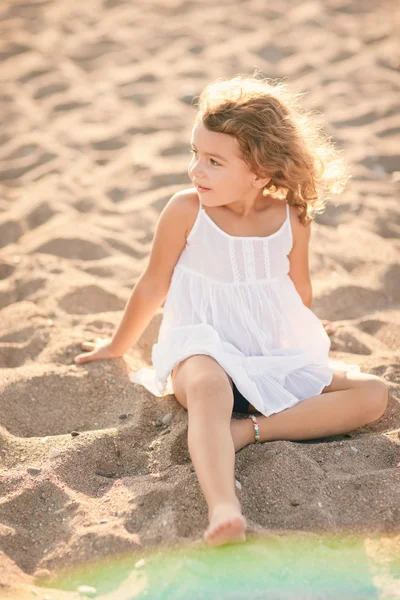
{"points": [[194, 168]]}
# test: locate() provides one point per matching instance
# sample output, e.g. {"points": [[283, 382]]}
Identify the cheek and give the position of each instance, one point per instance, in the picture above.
{"points": [[241, 179], [190, 166], [232, 179]]}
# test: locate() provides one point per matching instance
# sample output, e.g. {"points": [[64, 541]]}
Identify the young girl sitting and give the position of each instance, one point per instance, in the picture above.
{"points": [[230, 260]]}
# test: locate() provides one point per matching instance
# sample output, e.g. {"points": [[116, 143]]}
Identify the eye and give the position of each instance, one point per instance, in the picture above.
{"points": [[213, 162]]}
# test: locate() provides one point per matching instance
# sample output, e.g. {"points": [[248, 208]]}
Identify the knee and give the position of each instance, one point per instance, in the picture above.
{"points": [[204, 387], [378, 395]]}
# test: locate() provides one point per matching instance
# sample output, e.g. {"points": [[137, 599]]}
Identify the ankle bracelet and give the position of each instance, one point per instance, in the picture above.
{"points": [[257, 434]]}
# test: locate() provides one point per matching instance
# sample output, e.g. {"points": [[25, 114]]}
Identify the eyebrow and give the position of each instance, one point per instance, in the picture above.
{"points": [[213, 154]]}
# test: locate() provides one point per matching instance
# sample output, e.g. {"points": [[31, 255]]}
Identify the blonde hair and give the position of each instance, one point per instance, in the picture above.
{"points": [[277, 139]]}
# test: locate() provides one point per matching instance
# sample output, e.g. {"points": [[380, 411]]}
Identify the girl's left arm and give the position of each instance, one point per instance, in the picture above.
{"points": [[299, 271]]}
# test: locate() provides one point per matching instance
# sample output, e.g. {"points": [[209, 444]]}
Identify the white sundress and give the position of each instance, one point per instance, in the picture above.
{"points": [[231, 298]]}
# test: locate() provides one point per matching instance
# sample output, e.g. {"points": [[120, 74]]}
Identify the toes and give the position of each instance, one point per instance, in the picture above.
{"points": [[219, 528], [233, 529]]}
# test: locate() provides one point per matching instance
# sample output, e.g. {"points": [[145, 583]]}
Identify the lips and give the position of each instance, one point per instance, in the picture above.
{"points": [[201, 188]]}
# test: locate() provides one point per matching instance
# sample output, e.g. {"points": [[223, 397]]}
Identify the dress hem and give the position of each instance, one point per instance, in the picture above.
{"points": [[162, 386]]}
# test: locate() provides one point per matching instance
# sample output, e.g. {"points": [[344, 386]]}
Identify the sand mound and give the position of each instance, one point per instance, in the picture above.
{"points": [[96, 105]]}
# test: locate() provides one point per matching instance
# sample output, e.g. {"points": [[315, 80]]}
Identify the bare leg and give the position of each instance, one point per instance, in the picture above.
{"points": [[324, 415], [213, 454]]}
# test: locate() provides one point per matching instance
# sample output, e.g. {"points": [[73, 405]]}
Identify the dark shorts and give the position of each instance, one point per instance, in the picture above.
{"points": [[240, 404]]}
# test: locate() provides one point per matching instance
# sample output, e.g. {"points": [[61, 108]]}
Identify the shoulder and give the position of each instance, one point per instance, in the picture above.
{"points": [[188, 199], [295, 212], [169, 239], [186, 203], [301, 233]]}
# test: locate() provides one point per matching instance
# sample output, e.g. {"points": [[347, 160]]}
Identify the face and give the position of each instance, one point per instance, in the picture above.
{"points": [[217, 165]]}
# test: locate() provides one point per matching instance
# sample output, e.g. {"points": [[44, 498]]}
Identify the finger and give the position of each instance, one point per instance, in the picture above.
{"points": [[82, 358], [88, 345]]}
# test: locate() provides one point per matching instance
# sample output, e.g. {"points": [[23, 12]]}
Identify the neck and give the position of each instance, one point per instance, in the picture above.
{"points": [[247, 208]]}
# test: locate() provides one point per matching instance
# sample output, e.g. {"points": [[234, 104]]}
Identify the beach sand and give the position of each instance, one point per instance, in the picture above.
{"points": [[96, 104]]}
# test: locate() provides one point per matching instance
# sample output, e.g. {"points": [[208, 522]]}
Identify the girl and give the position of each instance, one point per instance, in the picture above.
{"points": [[230, 260]]}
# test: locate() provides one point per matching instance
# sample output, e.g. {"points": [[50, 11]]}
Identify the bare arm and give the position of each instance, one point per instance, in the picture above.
{"points": [[299, 268], [143, 303], [152, 287]]}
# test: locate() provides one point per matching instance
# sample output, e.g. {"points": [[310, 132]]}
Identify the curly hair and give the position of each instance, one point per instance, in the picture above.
{"points": [[277, 139]]}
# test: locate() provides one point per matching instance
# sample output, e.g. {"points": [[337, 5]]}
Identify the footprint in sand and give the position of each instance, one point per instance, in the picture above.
{"points": [[74, 247], [23, 512], [6, 270], [90, 299], [10, 232]]}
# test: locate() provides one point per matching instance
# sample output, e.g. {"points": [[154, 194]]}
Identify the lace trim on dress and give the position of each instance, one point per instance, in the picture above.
{"points": [[233, 259], [249, 262], [266, 259]]}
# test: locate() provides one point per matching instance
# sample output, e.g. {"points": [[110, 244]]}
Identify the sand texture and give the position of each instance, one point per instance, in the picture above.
{"points": [[96, 115]]}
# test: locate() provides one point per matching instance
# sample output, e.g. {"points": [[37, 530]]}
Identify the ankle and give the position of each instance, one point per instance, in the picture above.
{"points": [[242, 431], [225, 505], [254, 420]]}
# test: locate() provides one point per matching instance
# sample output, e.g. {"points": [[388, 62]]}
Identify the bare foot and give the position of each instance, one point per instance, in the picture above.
{"points": [[227, 525]]}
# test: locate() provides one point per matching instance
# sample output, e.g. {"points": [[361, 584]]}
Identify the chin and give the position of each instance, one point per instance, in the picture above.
{"points": [[208, 203], [207, 200]]}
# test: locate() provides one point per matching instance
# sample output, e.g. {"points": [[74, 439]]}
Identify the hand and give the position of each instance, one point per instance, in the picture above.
{"points": [[99, 350], [328, 326]]}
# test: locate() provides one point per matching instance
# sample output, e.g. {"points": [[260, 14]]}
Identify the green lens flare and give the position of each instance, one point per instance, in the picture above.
{"points": [[312, 566]]}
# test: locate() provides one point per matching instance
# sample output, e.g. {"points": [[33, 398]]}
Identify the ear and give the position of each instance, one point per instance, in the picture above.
{"points": [[260, 182]]}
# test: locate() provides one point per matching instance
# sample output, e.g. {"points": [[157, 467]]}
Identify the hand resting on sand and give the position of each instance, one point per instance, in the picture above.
{"points": [[99, 350]]}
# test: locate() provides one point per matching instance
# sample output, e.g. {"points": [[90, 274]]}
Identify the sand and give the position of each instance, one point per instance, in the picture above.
{"points": [[96, 110]]}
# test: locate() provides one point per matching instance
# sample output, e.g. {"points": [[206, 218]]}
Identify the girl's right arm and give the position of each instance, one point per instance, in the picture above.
{"points": [[152, 287]]}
